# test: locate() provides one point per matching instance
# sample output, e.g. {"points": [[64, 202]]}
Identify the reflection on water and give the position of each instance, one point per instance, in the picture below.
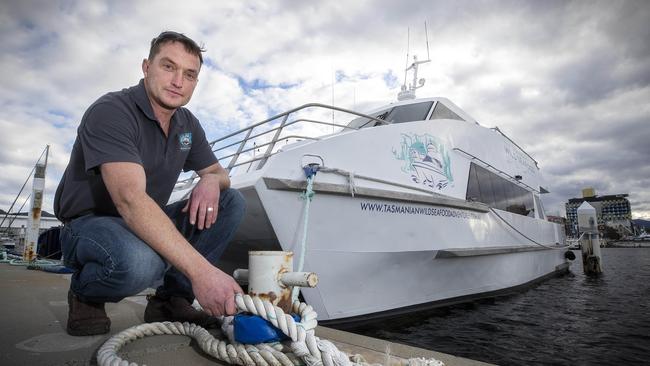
{"points": [[567, 320]]}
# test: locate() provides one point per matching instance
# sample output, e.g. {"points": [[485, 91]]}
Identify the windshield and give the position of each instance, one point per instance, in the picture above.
{"points": [[399, 114], [363, 122], [441, 111], [409, 112]]}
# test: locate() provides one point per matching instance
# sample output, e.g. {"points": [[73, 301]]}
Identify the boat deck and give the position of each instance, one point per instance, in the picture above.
{"points": [[34, 314]]}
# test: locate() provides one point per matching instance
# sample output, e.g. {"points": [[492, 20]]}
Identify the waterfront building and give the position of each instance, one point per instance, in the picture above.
{"points": [[556, 218], [13, 227], [613, 212]]}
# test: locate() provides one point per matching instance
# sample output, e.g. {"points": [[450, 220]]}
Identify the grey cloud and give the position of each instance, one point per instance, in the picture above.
{"points": [[627, 27], [598, 74], [549, 73]]}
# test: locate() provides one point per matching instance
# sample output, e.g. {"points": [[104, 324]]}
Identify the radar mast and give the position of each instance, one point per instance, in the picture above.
{"points": [[407, 93]]}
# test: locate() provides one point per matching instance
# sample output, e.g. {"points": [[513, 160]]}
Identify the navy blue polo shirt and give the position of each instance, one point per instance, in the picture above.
{"points": [[121, 127]]}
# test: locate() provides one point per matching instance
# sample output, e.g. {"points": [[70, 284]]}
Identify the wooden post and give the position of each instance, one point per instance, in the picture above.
{"points": [[34, 219]]}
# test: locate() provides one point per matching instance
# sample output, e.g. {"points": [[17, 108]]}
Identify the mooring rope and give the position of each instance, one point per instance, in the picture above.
{"points": [[17, 260], [302, 348], [308, 195], [524, 235]]}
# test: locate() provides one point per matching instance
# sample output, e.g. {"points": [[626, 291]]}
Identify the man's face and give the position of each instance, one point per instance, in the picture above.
{"points": [[171, 76]]}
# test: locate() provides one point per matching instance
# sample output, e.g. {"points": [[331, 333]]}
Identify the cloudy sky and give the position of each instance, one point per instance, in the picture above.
{"points": [[567, 80]]}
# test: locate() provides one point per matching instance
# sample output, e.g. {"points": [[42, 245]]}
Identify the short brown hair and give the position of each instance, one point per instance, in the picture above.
{"points": [[171, 36]]}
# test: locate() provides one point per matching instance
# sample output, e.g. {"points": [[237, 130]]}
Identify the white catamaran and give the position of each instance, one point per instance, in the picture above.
{"points": [[416, 205]]}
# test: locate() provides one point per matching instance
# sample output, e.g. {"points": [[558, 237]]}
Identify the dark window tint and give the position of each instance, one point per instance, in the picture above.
{"points": [[362, 122], [501, 192], [538, 204], [409, 112], [485, 186], [473, 192], [498, 192]]}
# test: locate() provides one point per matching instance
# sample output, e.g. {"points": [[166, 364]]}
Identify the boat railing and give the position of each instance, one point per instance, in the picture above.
{"points": [[497, 170], [248, 140]]}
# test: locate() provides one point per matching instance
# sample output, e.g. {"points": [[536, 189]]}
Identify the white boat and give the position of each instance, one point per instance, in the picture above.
{"points": [[574, 243], [416, 205], [643, 236]]}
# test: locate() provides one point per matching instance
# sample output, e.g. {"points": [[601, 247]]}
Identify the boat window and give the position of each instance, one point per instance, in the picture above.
{"points": [[501, 191], [441, 111], [362, 122], [409, 112], [473, 192], [540, 207], [485, 187], [498, 192]]}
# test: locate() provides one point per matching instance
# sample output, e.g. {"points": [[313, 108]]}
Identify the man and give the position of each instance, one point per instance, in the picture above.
{"points": [[118, 233]]}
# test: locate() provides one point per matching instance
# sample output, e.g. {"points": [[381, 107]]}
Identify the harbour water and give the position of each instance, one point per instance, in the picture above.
{"points": [[568, 320]]}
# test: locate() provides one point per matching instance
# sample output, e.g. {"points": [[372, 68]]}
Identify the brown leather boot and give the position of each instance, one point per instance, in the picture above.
{"points": [[86, 318], [177, 309]]}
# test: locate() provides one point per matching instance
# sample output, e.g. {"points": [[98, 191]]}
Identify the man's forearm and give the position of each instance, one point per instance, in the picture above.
{"points": [[217, 172], [152, 225], [126, 184]]}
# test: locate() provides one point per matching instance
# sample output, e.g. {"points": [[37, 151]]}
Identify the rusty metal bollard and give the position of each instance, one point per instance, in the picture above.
{"points": [[270, 277]]}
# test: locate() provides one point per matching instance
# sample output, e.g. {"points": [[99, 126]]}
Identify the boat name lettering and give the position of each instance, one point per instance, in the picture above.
{"points": [[412, 210], [519, 158]]}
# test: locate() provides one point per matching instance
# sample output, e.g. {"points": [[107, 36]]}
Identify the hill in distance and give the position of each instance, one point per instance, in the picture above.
{"points": [[642, 223]]}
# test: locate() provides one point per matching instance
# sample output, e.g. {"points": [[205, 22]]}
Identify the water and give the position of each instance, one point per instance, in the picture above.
{"points": [[567, 320]]}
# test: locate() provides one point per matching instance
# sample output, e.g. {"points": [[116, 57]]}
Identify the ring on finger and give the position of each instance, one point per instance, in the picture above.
{"points": [[210, 209]]}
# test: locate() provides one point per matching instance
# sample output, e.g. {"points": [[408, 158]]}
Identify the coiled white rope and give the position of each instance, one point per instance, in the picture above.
{"points": [[303, 345]]}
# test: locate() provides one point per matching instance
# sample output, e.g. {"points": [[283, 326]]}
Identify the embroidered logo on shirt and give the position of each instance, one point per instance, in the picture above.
{"points": [[185, 140]]}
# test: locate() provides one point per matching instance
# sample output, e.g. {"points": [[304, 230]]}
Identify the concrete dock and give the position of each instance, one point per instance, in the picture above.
{"points": [[34, 314]]}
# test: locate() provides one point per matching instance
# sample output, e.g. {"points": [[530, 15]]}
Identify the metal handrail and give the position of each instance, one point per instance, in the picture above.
{"points": [[304, 106], [241, 143], [269, 143], [278, 130], [499, 171]]}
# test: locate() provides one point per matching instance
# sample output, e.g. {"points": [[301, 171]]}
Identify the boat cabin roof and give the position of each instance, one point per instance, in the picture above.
{"points": [[414, 110]]}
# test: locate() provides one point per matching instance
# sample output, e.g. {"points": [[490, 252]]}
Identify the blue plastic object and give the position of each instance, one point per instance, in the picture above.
{"points": [[311, 169], [253, 329]]}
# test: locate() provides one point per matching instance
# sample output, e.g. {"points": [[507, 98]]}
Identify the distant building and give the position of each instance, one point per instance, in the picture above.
{"points": [[556, 218], [613, 212]]}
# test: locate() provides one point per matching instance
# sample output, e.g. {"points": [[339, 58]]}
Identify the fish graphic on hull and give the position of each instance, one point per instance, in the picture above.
{"points": [[425, 159]]}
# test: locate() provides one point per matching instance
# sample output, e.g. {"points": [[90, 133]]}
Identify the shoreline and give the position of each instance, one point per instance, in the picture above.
{"points": [[629, 244]]}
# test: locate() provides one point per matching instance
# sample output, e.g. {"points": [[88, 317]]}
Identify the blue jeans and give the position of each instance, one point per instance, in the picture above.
{"points": [[111, 262]]}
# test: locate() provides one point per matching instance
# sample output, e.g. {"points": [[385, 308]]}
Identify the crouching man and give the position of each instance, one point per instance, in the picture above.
{"points": [[119, 234]]}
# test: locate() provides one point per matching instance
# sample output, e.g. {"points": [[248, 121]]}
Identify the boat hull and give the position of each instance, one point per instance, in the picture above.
{"points": [[377, 255], [396, 221]]}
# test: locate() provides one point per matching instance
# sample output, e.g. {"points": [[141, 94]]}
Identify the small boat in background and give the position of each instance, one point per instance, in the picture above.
{"points": [[573, 243]]}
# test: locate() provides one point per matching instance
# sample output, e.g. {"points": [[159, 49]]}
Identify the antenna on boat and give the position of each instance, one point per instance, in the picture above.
{"points": [[408, 48], [426, 35], [409, 92]]}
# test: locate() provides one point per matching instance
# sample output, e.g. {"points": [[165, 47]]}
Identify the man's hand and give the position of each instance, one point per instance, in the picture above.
{"points": [[126, 183], [203, 204], [216, 291]]}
